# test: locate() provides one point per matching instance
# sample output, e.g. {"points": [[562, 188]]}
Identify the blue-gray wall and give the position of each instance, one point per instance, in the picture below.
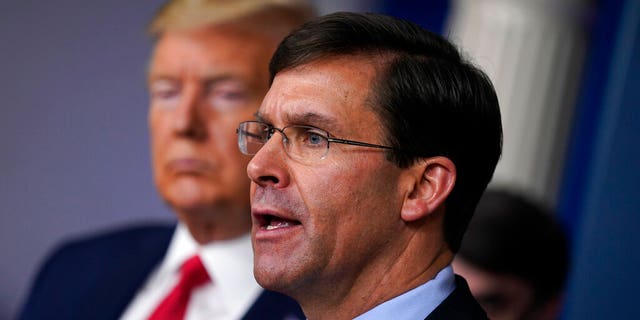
{"points": [[73, 134]]}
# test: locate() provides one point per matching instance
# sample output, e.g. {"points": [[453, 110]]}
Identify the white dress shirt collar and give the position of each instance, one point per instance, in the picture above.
{"points": [[230, 265], [417, 303]]}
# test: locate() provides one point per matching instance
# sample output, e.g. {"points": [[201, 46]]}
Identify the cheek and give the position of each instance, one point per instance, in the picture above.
{"points": [[236, 179], [223, 144], [339, 204], [347, 183], [160, 124], [357, 187], [158, 136], [222, 129]]}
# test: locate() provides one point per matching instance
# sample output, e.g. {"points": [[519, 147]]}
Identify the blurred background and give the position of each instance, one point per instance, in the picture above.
{"points": [[74, 144]]}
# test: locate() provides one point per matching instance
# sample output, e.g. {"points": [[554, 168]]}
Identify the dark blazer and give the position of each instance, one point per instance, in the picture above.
{"points": [[459, 305], [97, 277]]}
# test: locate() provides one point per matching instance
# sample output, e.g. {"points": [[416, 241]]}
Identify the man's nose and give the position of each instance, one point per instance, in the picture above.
{"points": [[269, 165], [189, 120]]}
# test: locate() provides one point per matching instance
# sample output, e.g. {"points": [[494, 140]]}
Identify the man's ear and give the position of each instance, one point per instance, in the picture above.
{"points": [[434, 179]]}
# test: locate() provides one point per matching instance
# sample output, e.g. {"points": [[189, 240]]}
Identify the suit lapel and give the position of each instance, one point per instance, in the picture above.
{"points": [[460, 304], [123, 274], [274, 306]]}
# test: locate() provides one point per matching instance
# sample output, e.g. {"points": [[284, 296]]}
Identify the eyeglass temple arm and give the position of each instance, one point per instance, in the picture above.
{"points": [[358, 143]]}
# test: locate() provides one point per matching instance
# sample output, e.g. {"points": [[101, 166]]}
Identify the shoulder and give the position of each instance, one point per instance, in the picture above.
{"points": [[106, 248], [101, 270], [460, 304], [131, 237]]}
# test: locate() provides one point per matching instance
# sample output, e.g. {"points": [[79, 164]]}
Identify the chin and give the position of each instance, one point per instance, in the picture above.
{"points": [[188, 192], [273, 273], [187, 203], [271, 282]]}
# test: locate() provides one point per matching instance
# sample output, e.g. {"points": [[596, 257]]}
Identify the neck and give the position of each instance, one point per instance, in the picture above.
{"points": [[424, 255]]}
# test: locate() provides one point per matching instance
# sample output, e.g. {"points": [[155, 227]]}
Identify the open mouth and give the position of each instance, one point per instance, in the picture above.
{"points": [[272, 222]]}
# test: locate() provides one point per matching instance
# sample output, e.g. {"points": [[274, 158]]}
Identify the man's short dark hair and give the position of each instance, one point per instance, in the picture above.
{"points": [[431, 102]]}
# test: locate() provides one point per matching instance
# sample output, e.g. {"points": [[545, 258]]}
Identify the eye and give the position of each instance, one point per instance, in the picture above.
{"points": [[228, 95], [165, 93], [256, 132], [315, 138]]}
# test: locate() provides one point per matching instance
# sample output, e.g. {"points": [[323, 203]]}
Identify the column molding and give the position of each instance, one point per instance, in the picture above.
{"points": [[533, 51]]}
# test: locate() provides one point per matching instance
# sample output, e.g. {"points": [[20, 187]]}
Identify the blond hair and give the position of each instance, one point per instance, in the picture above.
{"points": [[188, 14]]}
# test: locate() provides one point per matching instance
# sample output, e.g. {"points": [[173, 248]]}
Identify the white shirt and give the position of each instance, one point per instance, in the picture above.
{"points": [[418, 303], [228, 296]]}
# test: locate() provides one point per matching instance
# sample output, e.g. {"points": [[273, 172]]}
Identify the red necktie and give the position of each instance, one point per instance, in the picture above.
{"points": [[174, 306]]}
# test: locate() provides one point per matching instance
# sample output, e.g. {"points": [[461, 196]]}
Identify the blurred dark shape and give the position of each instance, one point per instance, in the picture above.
{"points": [[515, 257]]}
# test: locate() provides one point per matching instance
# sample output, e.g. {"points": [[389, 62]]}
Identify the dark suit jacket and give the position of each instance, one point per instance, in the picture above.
{"points": [[459, 305], [97, 277]]}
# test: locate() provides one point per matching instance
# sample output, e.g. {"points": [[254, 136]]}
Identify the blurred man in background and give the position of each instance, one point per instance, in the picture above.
{"points": [[515, 258], [208, 72]]}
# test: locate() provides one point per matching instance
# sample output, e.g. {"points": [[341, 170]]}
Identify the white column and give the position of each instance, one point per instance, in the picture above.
{"points": [[533, 51]]}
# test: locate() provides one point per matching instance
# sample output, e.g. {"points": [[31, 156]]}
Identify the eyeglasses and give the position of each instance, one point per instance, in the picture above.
{"points": [[304, 143]]}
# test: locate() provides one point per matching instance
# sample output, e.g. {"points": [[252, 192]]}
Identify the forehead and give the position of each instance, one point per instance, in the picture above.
{"points": [[331, 93], [211, 50]]}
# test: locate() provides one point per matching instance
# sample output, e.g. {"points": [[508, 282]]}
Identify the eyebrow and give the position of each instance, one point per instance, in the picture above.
{"points": [[208, 80], [320, 121]]}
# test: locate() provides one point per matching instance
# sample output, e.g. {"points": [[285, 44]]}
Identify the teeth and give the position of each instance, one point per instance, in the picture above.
{"points": [[277, 225]]}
